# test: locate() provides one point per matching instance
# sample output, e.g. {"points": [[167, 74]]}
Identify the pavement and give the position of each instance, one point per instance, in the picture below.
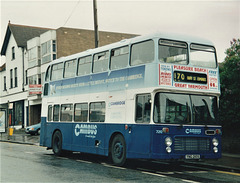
{"points": [[228, 160]]}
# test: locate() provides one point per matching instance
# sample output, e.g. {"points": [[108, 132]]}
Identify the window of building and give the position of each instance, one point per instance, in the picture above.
{"points": [[33, 80], [84, 65], [54, 56], [172, 52], [11, 78], [100, 62], [39, 79], [119, 58], [13, 53], [81, 112], [142, 53], [143, 108], [5, 83], [56, 112], [70, 69], [42, 77], [26, 77], [54, 46], [16, 78], [48, 50], [33, 57], [57, 71], [66, 112], [50, 108], [97, 112], [18, 112]]}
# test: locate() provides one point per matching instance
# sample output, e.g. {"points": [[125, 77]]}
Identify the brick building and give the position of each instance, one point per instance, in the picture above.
{"points": [[28, 50]]}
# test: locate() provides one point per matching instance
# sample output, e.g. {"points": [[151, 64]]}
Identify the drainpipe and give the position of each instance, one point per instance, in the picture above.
{"points": [[23, 69], [23, 72]]}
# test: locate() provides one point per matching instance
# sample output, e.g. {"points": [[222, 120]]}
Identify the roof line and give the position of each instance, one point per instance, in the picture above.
{"points": [[31, 26]]}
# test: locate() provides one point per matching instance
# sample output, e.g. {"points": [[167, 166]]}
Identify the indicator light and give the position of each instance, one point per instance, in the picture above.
{"points": [[218, 131], [165, 130]]}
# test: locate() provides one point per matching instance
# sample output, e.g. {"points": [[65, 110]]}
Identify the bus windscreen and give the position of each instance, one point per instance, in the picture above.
{"points": [[185, 109]]}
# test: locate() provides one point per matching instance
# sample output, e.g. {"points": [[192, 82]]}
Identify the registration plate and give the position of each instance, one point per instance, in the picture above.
{"points": [[192, 156]]}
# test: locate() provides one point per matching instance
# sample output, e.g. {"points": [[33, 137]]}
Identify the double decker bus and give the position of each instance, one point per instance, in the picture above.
{"points": [[149, 97]]}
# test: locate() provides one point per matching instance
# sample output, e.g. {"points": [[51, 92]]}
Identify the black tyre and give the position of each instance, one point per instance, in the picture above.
{"points": [[57, 143], [118, 150], [38, 132]]}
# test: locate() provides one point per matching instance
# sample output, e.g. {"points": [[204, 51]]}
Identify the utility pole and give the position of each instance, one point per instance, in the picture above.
{"points": [[95, 23]]}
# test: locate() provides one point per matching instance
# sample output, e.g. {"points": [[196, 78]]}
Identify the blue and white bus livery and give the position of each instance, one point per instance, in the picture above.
{"points": [[151, 97]]}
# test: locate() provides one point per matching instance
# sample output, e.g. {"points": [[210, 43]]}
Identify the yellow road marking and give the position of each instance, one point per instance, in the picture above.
{"points": [[230, 173]]}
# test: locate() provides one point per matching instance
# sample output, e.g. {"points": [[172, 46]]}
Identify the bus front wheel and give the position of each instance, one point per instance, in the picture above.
{"points": [[118, 150], [57, 143]]}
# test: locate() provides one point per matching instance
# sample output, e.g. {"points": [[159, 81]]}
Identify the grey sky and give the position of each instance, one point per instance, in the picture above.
{"points": [[218, 21]]}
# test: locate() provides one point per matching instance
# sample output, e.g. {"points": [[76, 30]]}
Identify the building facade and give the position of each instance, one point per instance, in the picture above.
{"points": [[28, 51]]}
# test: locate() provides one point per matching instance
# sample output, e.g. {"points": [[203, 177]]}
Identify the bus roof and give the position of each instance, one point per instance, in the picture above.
{"points": [[172, 36]]}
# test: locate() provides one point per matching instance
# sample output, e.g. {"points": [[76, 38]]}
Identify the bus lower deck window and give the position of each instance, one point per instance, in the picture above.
{"points": [[143, 108], [97, 112]]}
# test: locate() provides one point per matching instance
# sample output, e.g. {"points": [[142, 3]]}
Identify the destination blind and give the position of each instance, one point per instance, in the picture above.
{"points": [[190, 77]]}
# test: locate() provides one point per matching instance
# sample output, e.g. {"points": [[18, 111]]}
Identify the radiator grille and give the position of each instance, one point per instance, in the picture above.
{"points": [[191, 144]]}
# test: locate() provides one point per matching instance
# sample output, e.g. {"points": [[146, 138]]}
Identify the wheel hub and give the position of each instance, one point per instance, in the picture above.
{"points": [[118, 150]]}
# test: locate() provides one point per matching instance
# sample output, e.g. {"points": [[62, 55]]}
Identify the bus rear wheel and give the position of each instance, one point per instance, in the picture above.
{"points": [[118, 150], [57, 143]]}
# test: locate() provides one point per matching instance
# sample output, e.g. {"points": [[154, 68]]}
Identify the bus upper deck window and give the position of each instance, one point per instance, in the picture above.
{"points": [[70, 68], [100, 62], [119, 58], [142, 53], [173, 52], [203, 56], [84, 65], [57, 71], [47, 76]]}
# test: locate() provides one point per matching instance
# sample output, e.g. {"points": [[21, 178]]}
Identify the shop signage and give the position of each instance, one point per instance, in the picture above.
{"points": [[35, 89]]}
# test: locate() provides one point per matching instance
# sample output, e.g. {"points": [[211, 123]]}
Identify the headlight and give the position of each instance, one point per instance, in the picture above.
{"points": [[32, 129], [215, 142], [168, 149], [215, 149], [168, 141]]}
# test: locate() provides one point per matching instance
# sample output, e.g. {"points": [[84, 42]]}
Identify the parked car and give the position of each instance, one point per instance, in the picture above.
{"points": [[33, 129]]}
